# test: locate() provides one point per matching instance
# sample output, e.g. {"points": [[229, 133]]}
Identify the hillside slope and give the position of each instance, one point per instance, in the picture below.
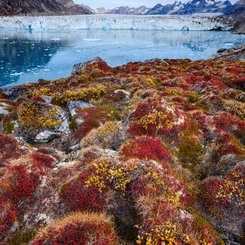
{"points": [[41, 7], [238, 14]]}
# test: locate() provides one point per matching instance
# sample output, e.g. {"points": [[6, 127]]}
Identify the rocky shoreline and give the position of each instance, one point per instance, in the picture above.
{"points": [[146, 153]]}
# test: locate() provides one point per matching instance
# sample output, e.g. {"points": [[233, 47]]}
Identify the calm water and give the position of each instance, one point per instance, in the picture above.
{"points": [[26, 57]]}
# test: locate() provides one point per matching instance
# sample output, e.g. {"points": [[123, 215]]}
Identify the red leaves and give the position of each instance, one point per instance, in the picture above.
{"points": [[92, 118], [17, 186], [78, 197], [9, 149], [144, 147], [42, 160], [7, 219], [21, 185], [209, 189], [38, 99], [157, 118], [228, 122], [79, 228]]}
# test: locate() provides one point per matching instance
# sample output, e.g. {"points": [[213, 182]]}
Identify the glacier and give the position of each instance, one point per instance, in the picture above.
{"points": [[113, 22]]}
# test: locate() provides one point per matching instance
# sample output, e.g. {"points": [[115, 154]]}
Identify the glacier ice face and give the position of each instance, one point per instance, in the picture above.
{"points": [[111, 22]]}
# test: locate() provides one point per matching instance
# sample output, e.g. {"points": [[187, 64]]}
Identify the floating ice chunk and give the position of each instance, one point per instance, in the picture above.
{"points": [[91, 40], [55, 39], [229, 44], [16, 74]]}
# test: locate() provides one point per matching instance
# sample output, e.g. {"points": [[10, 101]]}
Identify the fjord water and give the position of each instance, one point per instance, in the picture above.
{"points": [[27, 57]]}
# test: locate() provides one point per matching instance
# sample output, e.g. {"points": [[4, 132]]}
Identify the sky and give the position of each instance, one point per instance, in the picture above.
{"points": [[130, 3]]}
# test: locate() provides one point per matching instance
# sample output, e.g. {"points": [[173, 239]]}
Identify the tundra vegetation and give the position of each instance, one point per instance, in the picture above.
{"points": [[147, 153]]}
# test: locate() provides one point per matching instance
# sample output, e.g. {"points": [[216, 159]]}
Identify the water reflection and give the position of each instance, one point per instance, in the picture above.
{"points": [[29, 56]]}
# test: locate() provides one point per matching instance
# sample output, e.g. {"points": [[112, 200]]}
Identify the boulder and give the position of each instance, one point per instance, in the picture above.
{"points": [[74, 105], [234, 53], [11, 93], [78, 68], [41, 122], [4, 108], [241, 97]]}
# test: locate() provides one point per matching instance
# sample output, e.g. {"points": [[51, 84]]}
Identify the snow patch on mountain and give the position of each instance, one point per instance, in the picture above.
{"points": [[191, 7]]}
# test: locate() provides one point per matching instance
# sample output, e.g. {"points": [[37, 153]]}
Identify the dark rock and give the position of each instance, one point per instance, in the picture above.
{"points": [[75, 105], [78, 68], [11, 93], [45, 122], [218, 28], [226, 163], [234, 53], [241, 97]]}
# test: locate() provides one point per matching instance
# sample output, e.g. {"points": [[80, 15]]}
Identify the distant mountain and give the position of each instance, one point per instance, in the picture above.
{"points": [[123, 10], [238, 14], [75, 8], [41, 7], [191, 7], [166, 9], [239, 9]]}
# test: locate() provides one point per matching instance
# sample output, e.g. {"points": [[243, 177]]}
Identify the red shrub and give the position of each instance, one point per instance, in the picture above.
{"points": [[21, 185], [9, 149], [7, 219], [157, 118], [144, 147], [92, 118], [38, 99], [41, 160], [79, 229], [229, 123], [78, 197], [209, 189]]}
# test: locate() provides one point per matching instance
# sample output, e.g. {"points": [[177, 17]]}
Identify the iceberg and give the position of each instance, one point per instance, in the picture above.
{"points": [[113, 22]]}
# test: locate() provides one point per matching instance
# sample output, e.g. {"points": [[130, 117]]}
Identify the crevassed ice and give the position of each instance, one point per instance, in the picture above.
{"points": [[111, 22]]}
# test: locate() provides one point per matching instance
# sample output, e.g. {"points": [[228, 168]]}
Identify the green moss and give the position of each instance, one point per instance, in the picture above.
{"points": [[189, 150], [111, 111], [193, 98], [201, 222], [203, 106], [8, 127], [73, 124], [22, 237]]}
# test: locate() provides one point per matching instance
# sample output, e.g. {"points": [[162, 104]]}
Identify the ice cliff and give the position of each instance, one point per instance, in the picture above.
{"points": [[112, 22]]}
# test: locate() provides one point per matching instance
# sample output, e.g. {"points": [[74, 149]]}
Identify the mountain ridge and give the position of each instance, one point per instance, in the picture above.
{"points": [[192, 7], [177, 8], [41, 7]]}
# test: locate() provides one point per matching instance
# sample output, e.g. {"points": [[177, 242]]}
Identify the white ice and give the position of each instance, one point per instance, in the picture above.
{"points": [[111, 22]]}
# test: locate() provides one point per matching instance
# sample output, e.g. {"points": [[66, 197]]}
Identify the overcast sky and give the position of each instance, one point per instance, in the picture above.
{"points": [[131, 3]]}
